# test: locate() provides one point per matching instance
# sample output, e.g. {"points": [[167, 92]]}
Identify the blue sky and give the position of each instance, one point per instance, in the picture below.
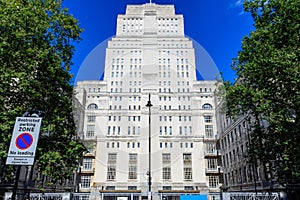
{"points": [[218, 25]]}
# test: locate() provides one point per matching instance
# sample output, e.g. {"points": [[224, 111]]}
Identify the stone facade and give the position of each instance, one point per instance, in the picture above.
{"points": [[149, 55]]}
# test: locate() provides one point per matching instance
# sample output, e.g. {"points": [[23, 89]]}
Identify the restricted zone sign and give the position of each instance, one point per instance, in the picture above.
{"points": [[24, 141]]}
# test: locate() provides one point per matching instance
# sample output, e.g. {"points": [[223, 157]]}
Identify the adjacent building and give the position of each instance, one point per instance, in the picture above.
{"points": [[149, 59], [240, 173]]}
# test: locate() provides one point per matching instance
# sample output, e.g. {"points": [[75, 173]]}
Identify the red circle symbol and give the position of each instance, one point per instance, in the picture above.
{"points": [[24, 141]]}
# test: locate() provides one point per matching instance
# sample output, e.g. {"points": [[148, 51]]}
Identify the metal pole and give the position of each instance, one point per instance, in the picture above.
{"points": [[14, 194], [149, 105]]}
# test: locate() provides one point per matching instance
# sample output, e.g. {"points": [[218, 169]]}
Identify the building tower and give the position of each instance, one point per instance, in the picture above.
{"points": [[149, 55]]}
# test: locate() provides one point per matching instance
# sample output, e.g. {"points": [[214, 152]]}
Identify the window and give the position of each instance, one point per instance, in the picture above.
{"points": [[132, 166], [90, 131], [110, 188], [212, 164], [166, 173], [188, 188], [166, 158], [87, 163], [132, 187], [213, 181], [111, 166], [180, 130], [187, 166], [92, 106], [208, 119], [138, 130], [85, 181], [166, 163], [187, 173], [167, 187], [91, 118], [210, 148], [209, 131], [207, 106]]}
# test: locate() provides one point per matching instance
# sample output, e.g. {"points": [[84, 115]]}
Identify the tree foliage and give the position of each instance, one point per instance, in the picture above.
{"points": [[268, 70], [35, 54]]}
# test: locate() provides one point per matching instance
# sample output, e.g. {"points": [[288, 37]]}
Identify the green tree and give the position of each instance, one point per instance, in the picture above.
{"points": [[268, 84], [35, 54]]}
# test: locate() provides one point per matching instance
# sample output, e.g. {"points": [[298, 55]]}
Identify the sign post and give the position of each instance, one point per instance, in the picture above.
{"points": [[23, 144], [24, 141]]}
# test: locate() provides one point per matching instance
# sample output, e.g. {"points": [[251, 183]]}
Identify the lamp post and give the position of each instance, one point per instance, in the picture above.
{"points": [[149, 105]]}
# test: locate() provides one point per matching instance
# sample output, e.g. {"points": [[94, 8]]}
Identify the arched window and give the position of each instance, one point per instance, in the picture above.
{"points": [[92, 106], [207, 106]]}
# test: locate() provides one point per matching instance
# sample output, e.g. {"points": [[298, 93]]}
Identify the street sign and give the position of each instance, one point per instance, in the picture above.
{"points": [[24, 141]]}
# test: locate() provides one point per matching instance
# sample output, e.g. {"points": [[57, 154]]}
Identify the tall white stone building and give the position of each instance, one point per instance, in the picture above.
{"points": [[149, 55]]}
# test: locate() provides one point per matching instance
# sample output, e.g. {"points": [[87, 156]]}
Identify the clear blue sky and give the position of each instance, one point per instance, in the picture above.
{"points": [[218, 25]]}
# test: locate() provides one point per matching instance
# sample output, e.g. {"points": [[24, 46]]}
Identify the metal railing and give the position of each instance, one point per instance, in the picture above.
{"points": [[49, 196], [250, 196]]}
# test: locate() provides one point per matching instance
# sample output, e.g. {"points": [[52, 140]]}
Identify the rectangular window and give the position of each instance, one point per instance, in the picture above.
{"points": [[208, 119], [85, 181], [87, 163], [111, 166], [187, 166], [210, 148], [166, 158], [209, 131], [132, 166], [132, 187], [114, 130], [167, 187], [139, 130], [187, 173], [212, 164], [188, 188], [91, 119], [166, 173], [166, 163], [213, 181], [90, 131]]}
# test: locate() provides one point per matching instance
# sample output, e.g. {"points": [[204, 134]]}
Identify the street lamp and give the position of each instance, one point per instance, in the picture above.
{"points": [[149, 105]]}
